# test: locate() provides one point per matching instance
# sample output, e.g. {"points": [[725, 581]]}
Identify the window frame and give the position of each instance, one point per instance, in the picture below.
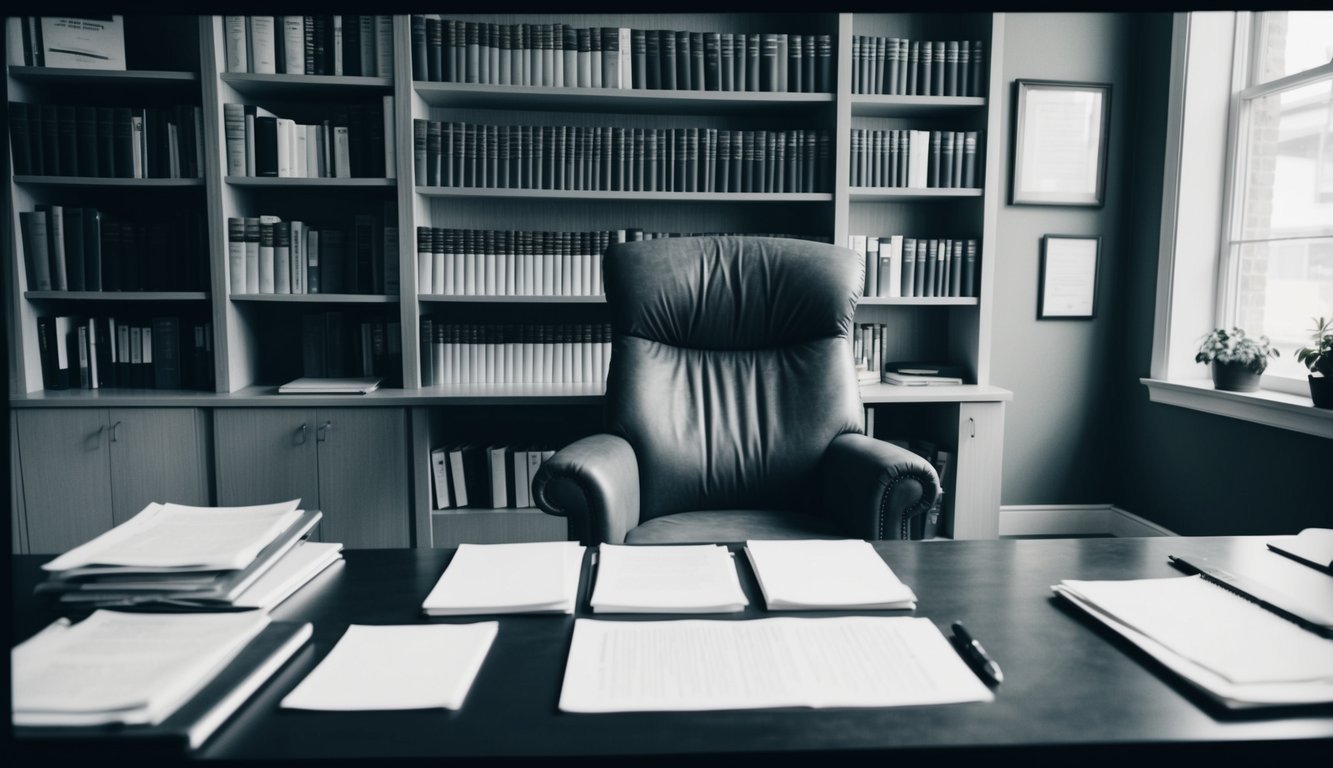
{"points": [[1196, 185], [1249, 28]]}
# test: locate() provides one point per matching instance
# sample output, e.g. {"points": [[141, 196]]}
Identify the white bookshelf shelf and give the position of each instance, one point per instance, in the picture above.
{"points": [[615, 100], [45, 76], [116, 295], [879, 105], [446, 299], [98, 181], [301, 181], [578, 194], [898, 194], [262, 86], [314, 298]]}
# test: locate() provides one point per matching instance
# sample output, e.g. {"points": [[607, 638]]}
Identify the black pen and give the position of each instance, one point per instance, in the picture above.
{"points": [[976, 655]]}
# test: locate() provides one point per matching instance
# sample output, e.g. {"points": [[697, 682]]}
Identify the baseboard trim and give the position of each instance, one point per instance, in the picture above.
{"points": [[1075, 520]]}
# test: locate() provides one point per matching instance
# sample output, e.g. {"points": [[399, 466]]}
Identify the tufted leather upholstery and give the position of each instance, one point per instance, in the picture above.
{"points": [[731, 375]]}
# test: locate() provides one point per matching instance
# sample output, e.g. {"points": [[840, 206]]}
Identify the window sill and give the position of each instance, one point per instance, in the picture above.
{"points": [[1276, 409]]}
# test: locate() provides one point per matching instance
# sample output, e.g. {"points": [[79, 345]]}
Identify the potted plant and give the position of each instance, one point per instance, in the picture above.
{"points": [[1319, 359], [1237, 360]]}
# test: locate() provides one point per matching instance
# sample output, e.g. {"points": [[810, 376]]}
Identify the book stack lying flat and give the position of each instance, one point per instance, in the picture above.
{"points": [[812, 575], [535, 577], [156, 683], [670, 579], [187, 557]]}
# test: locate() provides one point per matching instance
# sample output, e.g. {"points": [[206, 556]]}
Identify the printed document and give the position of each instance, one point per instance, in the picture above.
{"points": [[422, 666], [535, 577], [131, 668], [175, 536], [698, 664], [845, 574], [667, 579], [1238, 652]]}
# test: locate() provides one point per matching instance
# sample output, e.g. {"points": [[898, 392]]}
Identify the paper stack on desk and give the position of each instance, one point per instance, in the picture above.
{"points": [[122, 677], [188, 557], [1240, 654], [816, 574], [667, 579], [535, 577]]}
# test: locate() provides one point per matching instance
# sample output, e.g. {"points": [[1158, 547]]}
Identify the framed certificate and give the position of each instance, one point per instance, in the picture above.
{"points": [[1068, 288], [1060, 136]]}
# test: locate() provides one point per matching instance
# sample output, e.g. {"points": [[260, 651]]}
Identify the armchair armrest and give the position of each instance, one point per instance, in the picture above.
{"points": [[874, 488], [594, 482]]}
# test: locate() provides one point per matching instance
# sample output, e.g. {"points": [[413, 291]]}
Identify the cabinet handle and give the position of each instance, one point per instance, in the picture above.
{"points": [[96, 437], [972, 423], [115, 432], [319, 433], [298, 438]]}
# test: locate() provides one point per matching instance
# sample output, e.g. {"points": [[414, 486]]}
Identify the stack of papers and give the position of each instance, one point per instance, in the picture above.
{"points": [[127, 668], [321, 386], [669, 579], [1312, 546], [537, 577], [1237, 652], [697, 664], [176, 554], [811, 575], [292, 571], [168, 678], [397, 667]]}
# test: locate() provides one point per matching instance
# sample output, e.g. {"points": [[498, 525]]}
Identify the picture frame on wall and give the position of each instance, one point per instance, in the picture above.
{"points": [[1061, 131], [1068, 280]]}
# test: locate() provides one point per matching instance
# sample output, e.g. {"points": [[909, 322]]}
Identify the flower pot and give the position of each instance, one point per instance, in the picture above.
{"points": [[1321, 391], [1234, 377]]}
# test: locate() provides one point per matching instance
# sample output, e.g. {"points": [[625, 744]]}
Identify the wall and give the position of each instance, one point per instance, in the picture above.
{"points": [[1058, 447], [1194, 473]]}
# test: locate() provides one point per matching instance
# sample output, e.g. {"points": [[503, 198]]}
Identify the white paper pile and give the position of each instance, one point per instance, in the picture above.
{"points": [[667, 579], [845, 574], [536, 577]]}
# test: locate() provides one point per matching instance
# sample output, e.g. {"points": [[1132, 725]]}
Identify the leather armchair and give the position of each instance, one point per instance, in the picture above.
{"points": [[732, 407]]}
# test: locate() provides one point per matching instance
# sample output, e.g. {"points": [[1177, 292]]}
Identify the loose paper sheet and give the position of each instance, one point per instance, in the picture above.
{"points": [[422, 666], [678, 579], [695, 664]]}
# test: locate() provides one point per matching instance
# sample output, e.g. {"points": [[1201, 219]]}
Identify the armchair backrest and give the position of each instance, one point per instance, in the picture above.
{"points": [[731, 367]]}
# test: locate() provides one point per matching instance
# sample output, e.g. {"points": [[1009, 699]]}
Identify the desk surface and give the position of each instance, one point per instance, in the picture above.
{"points": [[1069, 682]]}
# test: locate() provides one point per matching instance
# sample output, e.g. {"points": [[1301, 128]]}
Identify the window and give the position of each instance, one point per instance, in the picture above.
{"points": [[1276, 265]]}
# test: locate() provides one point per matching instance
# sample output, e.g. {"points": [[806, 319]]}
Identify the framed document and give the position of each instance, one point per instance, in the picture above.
{"points": [[1060, 135], [1068, 288]]}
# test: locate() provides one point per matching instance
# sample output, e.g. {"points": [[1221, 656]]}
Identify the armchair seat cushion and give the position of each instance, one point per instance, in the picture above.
{"points": [[718, 525]]}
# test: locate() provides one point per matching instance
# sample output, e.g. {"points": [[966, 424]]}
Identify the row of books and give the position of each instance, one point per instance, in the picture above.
{"points": [[558, 55], [607, 158], [927, 524], [68, 248], [319, 44], [483, 353], [484, 476], [96, 352], [107, 142], [868, 351], [350, 143], [69, 42], [903, 67], [898, 266], [268, 255], [477, 262], [342, 344], [917, 159]]}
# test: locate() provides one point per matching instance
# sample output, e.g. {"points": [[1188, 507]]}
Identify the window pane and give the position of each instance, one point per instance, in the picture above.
{"points": [[1292, 41], [1281, 286], [1286, 185]]}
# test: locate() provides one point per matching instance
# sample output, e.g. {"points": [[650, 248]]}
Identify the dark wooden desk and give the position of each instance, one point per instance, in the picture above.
{"points": [[1070, 685]]}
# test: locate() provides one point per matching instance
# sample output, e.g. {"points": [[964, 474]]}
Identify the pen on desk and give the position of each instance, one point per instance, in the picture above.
{"points": [[976, 655]]}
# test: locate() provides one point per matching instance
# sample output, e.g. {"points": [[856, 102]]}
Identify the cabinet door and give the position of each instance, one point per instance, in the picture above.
{"points": [[66, 476], [363, 482], [157, 454], [980, 453], [265, 455]]}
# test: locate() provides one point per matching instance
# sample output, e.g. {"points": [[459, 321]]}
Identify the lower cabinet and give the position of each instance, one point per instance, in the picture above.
{"points": [[84, 470], [350, 463]]}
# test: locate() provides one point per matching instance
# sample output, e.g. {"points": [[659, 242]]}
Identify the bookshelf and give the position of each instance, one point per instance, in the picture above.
{"points": [[256, 339]]}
